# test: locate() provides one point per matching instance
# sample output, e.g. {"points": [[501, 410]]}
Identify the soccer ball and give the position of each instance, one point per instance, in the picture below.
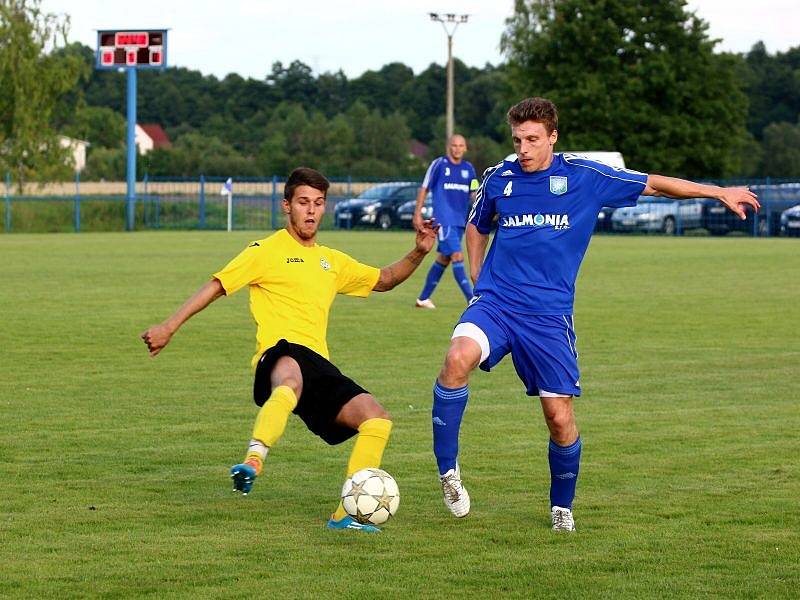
{"points": [[371, 496]]}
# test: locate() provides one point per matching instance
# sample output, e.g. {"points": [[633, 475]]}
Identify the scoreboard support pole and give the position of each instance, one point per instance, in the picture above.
{"points": [[130, 50], [130, 200]]}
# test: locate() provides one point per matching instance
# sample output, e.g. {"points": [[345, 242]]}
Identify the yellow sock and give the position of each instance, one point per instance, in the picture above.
{"points": [[271, 421], [373, 435]]}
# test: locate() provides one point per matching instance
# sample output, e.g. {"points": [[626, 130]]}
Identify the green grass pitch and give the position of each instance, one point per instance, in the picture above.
{"points": [[114, 466]]}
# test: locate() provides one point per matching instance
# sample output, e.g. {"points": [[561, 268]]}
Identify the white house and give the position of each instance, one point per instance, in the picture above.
{"points": [[77, 151], [150, 136]]}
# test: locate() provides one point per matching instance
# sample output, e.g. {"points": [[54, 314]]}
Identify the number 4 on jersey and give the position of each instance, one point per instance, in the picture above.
{"points": [[507, 190]]}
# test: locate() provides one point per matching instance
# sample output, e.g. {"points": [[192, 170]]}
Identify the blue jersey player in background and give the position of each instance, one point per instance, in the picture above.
{"points": [[452, 182], [546, 206]]}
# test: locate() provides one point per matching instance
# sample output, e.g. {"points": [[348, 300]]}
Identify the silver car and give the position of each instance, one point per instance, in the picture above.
{"points": [[790, 221], [659, 216]]}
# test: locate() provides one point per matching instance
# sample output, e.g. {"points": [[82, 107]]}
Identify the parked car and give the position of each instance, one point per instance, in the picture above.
{"points": [[774, 200], [604, 219], [790, 221], [664, 216], [376, 206], [405, 213]]}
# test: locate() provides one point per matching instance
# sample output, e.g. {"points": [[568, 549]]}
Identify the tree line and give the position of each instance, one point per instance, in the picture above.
{"points": [[640, 78]]}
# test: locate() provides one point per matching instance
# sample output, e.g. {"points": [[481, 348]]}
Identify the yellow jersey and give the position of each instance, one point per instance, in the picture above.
{"points": [[292, 288]]}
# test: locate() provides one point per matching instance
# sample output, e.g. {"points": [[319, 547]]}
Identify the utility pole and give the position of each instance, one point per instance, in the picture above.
{"points": [[447, 20]]}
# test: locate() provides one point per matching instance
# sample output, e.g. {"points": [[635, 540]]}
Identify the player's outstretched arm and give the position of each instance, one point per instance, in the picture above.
{"points": [[158, 336], [735, 198], [476, 250], [417, 219], [398, 272]]}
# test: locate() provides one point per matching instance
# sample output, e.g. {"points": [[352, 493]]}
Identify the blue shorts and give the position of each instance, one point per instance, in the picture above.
{"points": [[450, 240], [541, 346]]}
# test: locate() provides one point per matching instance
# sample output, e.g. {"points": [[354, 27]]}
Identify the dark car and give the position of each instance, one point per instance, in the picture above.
{"points": [[405, 213], [376, 206], [790, 221], [603, 222], [774, 199]]}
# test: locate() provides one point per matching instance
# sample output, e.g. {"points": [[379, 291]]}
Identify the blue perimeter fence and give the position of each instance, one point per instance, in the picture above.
{"points": [[197, 203]]}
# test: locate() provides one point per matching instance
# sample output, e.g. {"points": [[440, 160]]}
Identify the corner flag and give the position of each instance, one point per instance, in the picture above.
{"points": [[227, 190]]}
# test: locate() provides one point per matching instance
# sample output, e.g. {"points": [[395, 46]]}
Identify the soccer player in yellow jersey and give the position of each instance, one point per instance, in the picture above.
{"points": [[293, 282]]}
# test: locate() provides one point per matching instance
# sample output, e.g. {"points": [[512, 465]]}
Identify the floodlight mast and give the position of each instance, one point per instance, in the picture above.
{"points": [[455, 20]]}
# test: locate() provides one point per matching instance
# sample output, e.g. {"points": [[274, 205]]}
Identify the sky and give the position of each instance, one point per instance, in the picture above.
{"points": [[247, 36]]}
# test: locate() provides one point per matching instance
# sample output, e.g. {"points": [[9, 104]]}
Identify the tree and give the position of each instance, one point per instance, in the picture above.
{"points": [[32, 78], [332, 93], [101, 127], [781, 150], [482, 104], [106, 164], [485, 152], [294, 83], [195, 153], [772, 83], [425, 98], [638, 77], [381, 89]]}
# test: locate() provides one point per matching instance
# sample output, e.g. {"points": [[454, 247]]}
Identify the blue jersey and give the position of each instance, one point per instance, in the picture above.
{"points": [[450, 184], [545, 222]]}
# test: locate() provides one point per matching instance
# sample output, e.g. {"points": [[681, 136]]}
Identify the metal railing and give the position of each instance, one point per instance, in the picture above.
{"points": [[196, 203]]}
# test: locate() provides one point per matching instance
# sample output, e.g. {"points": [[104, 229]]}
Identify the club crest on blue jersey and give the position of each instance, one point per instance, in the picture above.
{"points": [[464, 173], [558, 185]]}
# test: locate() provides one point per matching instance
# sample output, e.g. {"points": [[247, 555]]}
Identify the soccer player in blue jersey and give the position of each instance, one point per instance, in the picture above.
{"points": [[546, 205], [452, 182]]}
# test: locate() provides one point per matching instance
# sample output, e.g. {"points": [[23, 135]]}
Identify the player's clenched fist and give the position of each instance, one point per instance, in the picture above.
{"points": [[156, 337]]}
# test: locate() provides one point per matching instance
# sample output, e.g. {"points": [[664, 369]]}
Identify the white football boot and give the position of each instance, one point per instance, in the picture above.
{"points": [[456, 497], [427, 303], [562, 519]]}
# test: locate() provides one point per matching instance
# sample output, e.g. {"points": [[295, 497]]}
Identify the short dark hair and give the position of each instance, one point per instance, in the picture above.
{"points": [[305, 176], [534, 109]]}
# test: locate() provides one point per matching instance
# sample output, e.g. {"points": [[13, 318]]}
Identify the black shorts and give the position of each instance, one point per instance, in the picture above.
{"points": [[325, 389]]}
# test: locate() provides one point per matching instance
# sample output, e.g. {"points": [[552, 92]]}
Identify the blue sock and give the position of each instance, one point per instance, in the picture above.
{"points": [[448, 408], [434, 275], [564, 464], [461, 279]]}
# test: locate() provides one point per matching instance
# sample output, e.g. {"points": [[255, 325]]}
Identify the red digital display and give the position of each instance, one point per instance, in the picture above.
{"points": [[140, 49], [135, 39]]}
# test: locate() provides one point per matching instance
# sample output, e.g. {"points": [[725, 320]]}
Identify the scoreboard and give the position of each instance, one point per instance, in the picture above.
{"points": [[137, 48]]}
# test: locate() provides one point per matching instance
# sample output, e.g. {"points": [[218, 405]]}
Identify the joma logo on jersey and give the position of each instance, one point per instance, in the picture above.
{"points": [[557, 222], [291, 259]]}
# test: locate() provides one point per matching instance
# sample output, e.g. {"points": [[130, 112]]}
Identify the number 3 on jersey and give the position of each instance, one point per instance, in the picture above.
{"points": [[507, 190]]}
